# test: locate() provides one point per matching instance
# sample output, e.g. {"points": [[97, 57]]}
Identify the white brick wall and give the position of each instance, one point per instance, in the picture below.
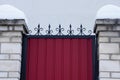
{"points": [[109, 56], [4, 39], [108, 49], [108, 65], [115, 39], [3, 28], [9, 78], [10, 34], [10, 47], [10, 55], [4, 56], [108, 34], [18, 28], [3, 74], [116, 75], [108, 79], [10, 50], [104, 56], [16, 39], [15, 57], [115, 57], [9, 65], [14, 74], [104, 74], [103, 39]]}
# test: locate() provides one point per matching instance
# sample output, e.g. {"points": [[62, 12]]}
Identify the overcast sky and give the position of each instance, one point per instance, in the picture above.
{"points": [[57, 12]]}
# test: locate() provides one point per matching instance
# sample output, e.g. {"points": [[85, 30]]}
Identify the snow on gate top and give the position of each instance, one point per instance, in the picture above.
{"points": [[10, 12], [108, 12]]}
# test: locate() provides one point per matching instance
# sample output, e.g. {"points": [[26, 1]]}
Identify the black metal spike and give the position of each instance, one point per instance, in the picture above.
{"points": [[70, 31], [49, 31], [59, 29], [38, 30], [82, 30]]}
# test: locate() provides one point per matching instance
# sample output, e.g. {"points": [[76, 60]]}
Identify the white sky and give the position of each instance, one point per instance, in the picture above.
{"points": [[57, 12]]}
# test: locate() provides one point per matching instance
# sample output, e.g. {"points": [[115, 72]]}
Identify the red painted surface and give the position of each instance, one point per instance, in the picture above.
{"points": [[59, 59]]}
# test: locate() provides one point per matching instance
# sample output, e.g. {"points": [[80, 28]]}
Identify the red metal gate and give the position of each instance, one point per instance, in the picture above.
{"points": [[59, 58]]}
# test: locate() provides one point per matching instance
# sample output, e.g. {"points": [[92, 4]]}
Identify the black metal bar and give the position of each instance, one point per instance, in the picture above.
{"points": [[94, 54], [38, 30], [97, 58], [60, 29], [57, 36], [49, 31], [81, 29], [70, 31], [24, 58]]}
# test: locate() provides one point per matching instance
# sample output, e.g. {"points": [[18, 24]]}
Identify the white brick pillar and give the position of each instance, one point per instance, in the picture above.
{"points": [[11, 33], [108, 36]]}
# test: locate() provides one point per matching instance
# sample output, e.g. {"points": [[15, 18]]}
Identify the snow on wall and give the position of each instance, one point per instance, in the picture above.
{"points": [[10, 12], [108, 11]]}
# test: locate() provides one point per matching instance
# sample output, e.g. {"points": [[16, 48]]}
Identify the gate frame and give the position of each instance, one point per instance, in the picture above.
{"points": [[95, 62]]}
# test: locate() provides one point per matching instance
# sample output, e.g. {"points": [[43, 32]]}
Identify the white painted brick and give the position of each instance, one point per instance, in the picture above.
{"points": [[117, 27], [4, 39], [103, 39], [19, 28], [14, 74], [105, 21], [115, 39], [15, 56], [109, 34], [16, 39], [102, 56], [9, 79], [116, 75], [4, 56], [101, 27], [11, 34], [109, 48], [11, 27], [117, 57], [109, 79], [104, 74], [3, 28], [7, 65], [109, 21], [3, 74], [10, 48], [107, 65]]}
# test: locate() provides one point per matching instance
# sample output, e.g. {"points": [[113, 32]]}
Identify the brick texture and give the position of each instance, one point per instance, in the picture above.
{"points": [[109, 48], [11, 49]]}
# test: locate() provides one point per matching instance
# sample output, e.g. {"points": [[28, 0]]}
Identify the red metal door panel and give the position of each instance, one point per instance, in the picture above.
{"points": [[59, 59]]}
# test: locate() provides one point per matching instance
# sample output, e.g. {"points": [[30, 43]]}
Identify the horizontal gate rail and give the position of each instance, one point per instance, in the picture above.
{"points": [[57, 36]]}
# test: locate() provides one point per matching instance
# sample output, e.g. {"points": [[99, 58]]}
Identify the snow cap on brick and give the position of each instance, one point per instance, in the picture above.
{"points": [[108, 12], [11, 12]]}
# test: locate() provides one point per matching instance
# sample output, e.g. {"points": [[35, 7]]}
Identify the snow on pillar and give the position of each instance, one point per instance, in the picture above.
{"points": [[12, 27], [107, 29]]}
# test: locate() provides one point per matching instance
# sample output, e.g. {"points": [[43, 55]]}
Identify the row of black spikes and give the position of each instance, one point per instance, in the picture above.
{"points": [[70, 31]]}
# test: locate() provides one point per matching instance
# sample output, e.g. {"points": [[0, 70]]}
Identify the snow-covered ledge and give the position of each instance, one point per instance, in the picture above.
{"points": [[107, 29], [12, 27]]}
